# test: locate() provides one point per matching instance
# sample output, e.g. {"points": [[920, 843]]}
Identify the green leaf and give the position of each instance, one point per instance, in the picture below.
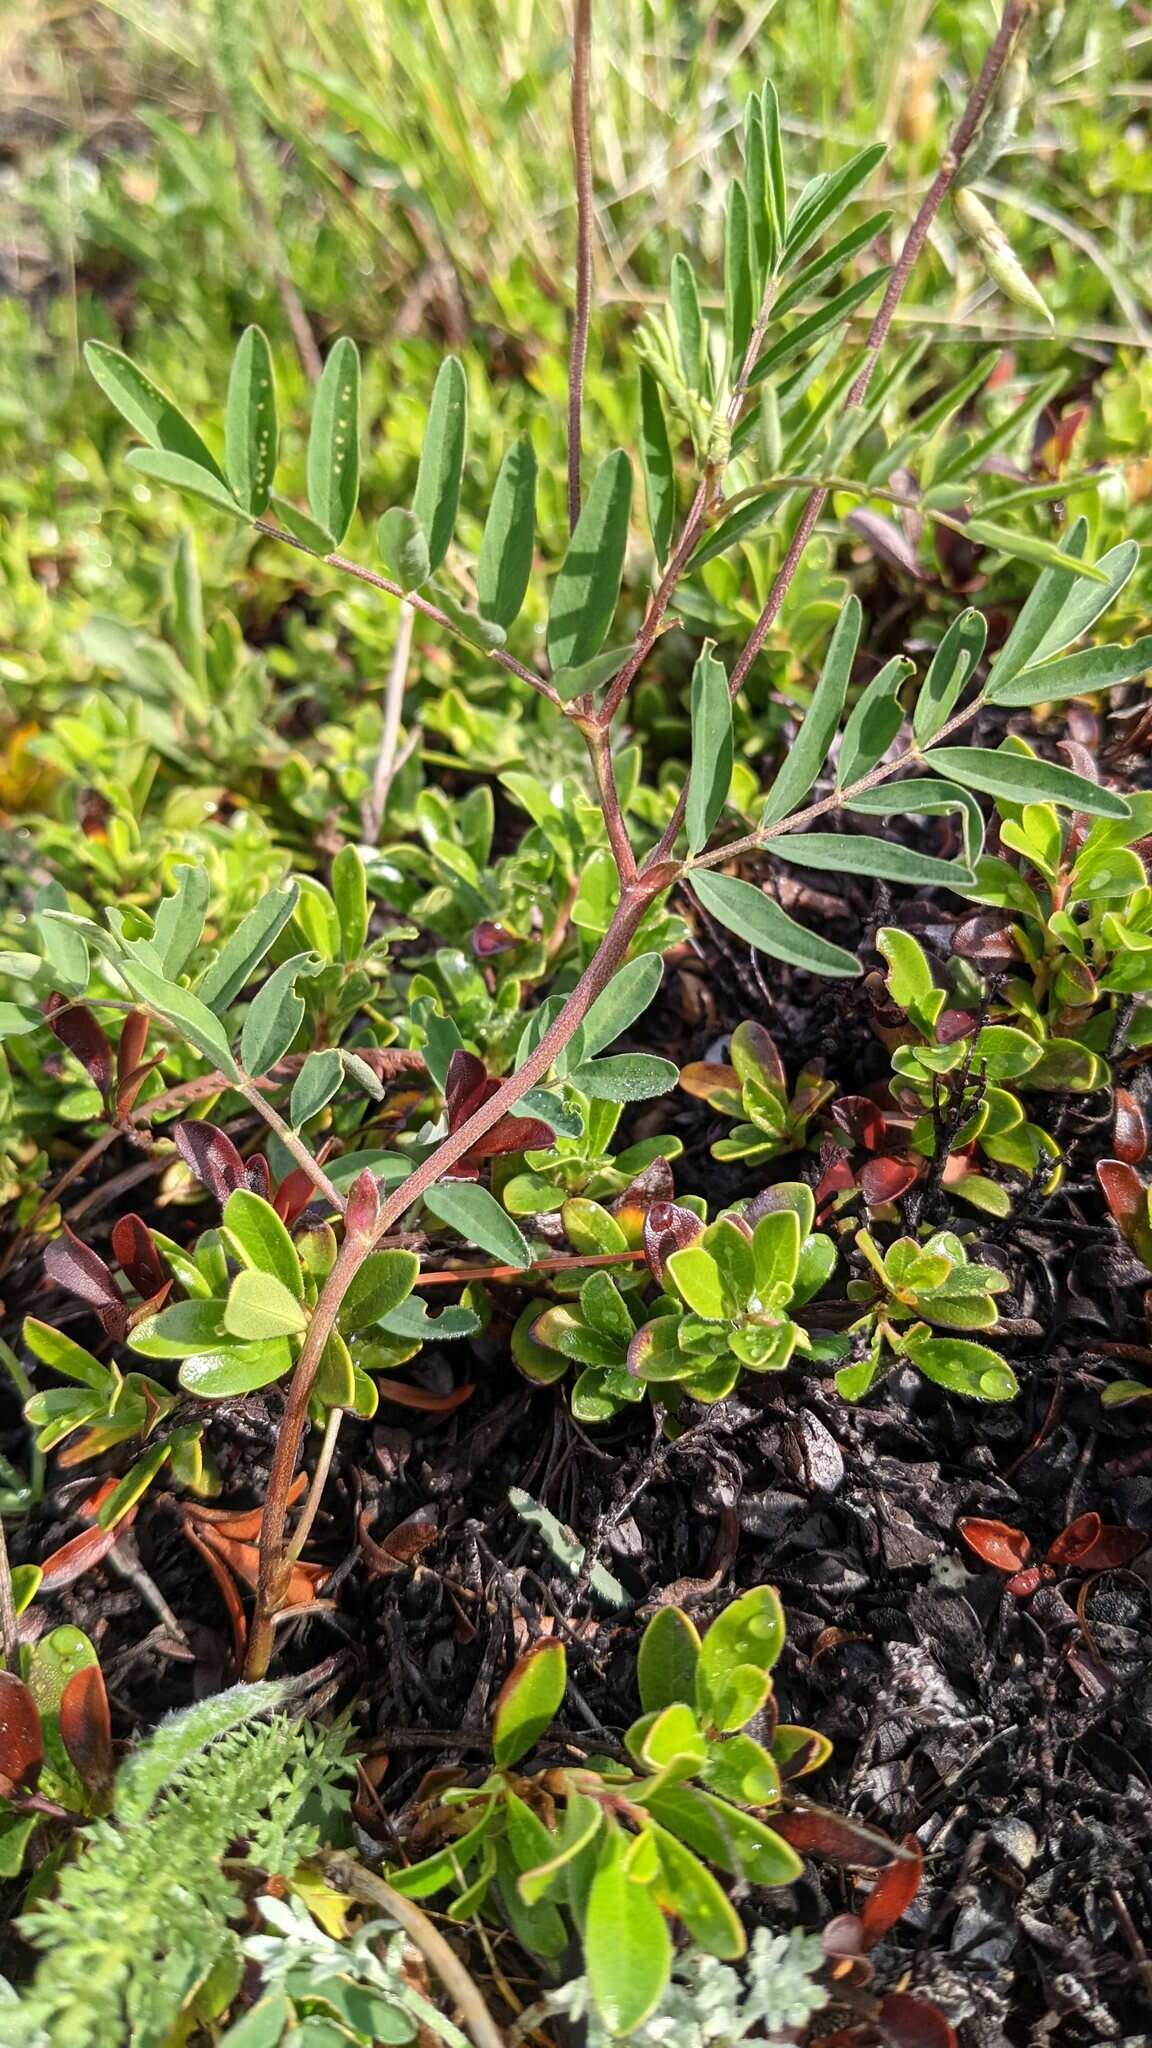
{"points": [[625, 1077], [402, 545], [180, 919], [334, 442], [745, 910], [697, 1277], [910, 983], [264, 2025], [259, 1306], [953, 664], [963, 1367], [849, 854], [315, 1085], [693, 1895], [378, 1287], [873, 724], [617, 1007], [734, 1841], [508, 542], [667, 1659], [52, 1347], [831, 259], [178, 1331], [774, 158], [251, 435], [588, 584], [925, 797], [1078, 675], [627, 1946], [807, 755], [825, 197], [185, 1012], [467, 1207], [589, 675], [739, 285], [1024, 779], [761, 205], [260, 1240], [710, 760], [147, 408], [181, 475], [688, 321], [133, 1486], [1084, 604], [657, 465], [276, 1014], [749, 1631], [528, 1702], [437, 495], [301, 527], [350, 895], [817, 324], [241, 955], [231, 1369], [1025, 547]]}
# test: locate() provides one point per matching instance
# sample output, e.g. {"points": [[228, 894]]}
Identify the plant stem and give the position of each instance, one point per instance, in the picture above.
{"points": [[373, 815], [319, 1480], [291, 1141], [351, 1878], [9, 1643], [582, 165]]}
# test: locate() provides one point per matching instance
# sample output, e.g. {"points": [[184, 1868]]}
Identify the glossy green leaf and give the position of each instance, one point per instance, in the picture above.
{"points": [[1025, 779], [849, 853], [508, 542], [952, 666], [53, 1347], [627, 1947], [240, 956], [276, 1014], [133, 1486], [667, 1658], [178, 1331], [259, 1306], [227, 1370], [657, 465], [745, 910], [963, 1367], [585, 591], [734, 1841], [147, 408], [748, 1632], [317, 1082], [692, 1893], [251, 434], [809, 750], [711, 754], [437, 496], [350, 895], [380, 1284], [528, 1702], [469, 1208], [162, 467], [257, 1237], [334, 442]]}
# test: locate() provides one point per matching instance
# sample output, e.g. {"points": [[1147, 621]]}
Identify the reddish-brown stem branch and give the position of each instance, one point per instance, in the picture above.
{"points": [[582, 165]]}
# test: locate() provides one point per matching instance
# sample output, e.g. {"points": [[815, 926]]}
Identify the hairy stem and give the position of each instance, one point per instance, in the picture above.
{"points": [[291, 1141], [582, 165]]}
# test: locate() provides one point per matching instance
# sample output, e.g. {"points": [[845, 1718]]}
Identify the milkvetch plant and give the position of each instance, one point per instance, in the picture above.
{"points": [[244, 1010]]}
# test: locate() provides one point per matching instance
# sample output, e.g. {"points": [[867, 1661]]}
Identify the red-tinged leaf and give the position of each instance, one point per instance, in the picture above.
{"points": [[886, 540], [843, 1936], [243, 1561], [226, 1585], [129, 1088], [73, 1265], [952, 1025], [241, 1522], [136, 1255], [834, 1837], [77, 1028], [86, 1728], [466, 1087], [1023, 1584], [1124, 1191], [708, 1078], [257, 1177], [406, 1396], [512, 1134], [294, 1193], [836, 1177], [908, 2022], [130, 1047], [862, 1119], [79, 1555], [21, 1737], [997, 1543], [362, 1207], [885, 1180], [892, 1894], [668, 1228], [1055, 451], [1095, 1546], [987, 939], [212, 1157], [1130, 1132], [402, 1545], [488, 939]]}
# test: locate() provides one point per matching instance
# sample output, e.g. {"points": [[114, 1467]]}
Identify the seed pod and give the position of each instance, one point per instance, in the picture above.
{"points": [[996, 253]]}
